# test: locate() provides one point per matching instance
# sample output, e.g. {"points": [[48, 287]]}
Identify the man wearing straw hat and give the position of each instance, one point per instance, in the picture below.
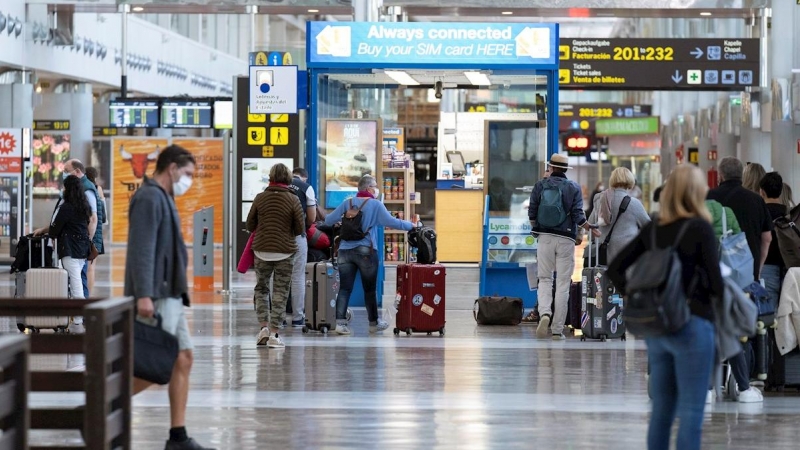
{"points": [[556, 213]]}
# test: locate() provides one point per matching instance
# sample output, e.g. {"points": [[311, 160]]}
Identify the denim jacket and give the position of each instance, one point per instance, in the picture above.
{"points": [[572, 198]]}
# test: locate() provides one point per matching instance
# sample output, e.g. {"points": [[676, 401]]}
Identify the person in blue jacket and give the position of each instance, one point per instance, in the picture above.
{"points": [[362, 255]]}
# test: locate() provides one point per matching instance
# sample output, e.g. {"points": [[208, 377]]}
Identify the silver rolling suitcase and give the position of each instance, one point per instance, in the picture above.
{"points": [[43, 282], [322, 287]]}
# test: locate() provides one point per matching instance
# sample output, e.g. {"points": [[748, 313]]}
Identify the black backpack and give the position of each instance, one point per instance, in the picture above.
{"points": [[657, 303], [351, 223], [424, 239]]}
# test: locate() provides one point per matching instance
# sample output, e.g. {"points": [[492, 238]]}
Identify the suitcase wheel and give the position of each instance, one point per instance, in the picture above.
{"points": [[21, 327], [323, 329], [603, 338], [429, 333], [623, 337], [583, 338], [408, 331], [397, 332], [305, 329], [441, 332]]}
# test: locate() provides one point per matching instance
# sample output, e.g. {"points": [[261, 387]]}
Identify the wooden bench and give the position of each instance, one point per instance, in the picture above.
{"points": [[105, 418], [14, 352]]}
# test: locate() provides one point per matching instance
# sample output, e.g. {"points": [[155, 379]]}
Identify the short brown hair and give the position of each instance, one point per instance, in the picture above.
{"points": [[280, 174]]}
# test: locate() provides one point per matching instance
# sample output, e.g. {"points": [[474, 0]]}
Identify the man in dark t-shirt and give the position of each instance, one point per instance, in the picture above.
{"points": [[749, 208]]}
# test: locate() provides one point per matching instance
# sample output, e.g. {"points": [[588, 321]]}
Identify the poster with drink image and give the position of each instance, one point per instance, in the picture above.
{"points": [[350, 153]]}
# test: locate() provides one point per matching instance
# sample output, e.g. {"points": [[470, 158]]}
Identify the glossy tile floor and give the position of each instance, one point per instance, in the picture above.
{"points": [[475, 388]]}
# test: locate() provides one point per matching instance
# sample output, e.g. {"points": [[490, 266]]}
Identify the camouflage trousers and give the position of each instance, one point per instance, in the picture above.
{"points": [[282, 282]]}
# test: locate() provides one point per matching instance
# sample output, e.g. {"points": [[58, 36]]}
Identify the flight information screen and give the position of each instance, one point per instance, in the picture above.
{"points": [[186, 114], [134, 114]]}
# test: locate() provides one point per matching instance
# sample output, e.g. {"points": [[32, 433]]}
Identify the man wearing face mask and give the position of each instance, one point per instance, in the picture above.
{"points": [[155, 273], [362, 255]]}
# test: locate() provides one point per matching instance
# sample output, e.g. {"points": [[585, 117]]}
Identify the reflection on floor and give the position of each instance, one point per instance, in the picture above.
{"points": [[476, 388]]}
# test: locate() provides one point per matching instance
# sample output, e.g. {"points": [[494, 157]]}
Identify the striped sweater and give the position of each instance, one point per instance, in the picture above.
{"points": [[276, 217]]}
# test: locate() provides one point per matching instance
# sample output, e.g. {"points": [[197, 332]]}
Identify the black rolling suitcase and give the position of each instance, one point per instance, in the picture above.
{"points": [[601, 304]]}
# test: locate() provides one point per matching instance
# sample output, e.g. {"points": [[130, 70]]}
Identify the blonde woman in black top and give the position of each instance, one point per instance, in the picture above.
{"points": [[681, 363]]}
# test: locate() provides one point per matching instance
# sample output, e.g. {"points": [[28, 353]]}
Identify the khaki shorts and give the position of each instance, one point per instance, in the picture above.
{"points": [[173, 320]]}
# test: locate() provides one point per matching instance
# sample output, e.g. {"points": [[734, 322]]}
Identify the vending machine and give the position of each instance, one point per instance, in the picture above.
{"points": [[12, 142]]}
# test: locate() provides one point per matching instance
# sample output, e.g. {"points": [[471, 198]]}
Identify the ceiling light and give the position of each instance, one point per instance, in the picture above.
{"points": [[313, 10], [402, 77], [705, 13], [478, 78], [138, 9], [507, 13]]}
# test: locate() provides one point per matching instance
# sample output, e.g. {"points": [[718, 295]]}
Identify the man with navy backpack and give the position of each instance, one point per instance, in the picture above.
{"points": [[556, 213]]}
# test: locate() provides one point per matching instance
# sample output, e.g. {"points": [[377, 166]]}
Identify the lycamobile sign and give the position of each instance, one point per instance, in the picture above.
{"points": [[627, 127]]}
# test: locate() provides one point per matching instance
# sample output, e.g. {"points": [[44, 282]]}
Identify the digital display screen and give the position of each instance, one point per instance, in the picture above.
{"points": [[134, 114], [223, 114], [185, 114]]}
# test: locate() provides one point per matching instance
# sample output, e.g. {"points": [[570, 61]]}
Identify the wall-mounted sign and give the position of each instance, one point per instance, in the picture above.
{"points": [[51, 125], [627, 127], [582, 116], [270, 59], [273, 89], [104, 131], [10, 150], [668, 64], [400, 44]]}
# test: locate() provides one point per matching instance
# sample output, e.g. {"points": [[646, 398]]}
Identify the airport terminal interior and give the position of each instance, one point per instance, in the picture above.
{"points": [[457, 109]]}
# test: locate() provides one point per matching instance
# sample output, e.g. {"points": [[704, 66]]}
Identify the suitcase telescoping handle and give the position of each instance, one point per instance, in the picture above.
{"points": [[597, 247]]}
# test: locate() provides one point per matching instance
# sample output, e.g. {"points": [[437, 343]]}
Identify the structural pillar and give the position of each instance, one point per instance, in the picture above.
{"points": [[784, 57], [367, 10]]}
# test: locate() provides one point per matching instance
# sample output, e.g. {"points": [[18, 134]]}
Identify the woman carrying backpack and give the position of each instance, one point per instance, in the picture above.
{"points": [[680, 362]]}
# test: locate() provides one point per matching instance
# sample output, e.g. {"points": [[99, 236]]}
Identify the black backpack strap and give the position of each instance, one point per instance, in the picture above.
{"points": [[622, 208]]}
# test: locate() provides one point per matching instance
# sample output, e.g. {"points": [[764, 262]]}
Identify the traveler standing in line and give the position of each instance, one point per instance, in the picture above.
{"points": [[556, 212], [598, 189], [752, 175], [308, 202], [786, 196], [277, 219], [75, 167], [680, 363], [70, 228], [155, 274], [102, 219], [774, 267], [606, 212], [361, 255]]}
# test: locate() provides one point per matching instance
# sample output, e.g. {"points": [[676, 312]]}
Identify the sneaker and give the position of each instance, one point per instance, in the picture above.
{"points": [[342, 329], [282, 326], [76, 328], [189, 444], [752, 395], [298, 323], [544, 324], [263, 335], [711, 396], [379, 326], [559, 337], [532, 317], [275, 341]]}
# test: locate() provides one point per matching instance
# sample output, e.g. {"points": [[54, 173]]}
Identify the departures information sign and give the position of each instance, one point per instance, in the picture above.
{"points": [[661, 64]]}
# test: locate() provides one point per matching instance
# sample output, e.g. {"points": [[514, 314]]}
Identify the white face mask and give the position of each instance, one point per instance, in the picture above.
{"points": [[376, 192], [182, 185]]}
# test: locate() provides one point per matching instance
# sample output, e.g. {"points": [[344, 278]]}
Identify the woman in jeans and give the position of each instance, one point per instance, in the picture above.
{"points": [[276, 217], [681, 363], [70, 228]]}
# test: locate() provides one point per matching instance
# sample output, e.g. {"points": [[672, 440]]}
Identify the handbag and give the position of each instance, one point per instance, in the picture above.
{"points": [[154, 352], [735, 253], [602, 258], [93, 253], [498, 310]]}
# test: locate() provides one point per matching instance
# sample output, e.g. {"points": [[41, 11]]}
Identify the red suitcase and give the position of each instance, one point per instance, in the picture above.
{"points": [[420, 292]]}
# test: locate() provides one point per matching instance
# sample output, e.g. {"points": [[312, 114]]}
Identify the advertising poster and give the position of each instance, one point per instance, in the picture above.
{"points": [[394, 146], [11, 151], [50, 152], [132, 159], [207, 185], [510, 240], [255, 175], [352, 146]]}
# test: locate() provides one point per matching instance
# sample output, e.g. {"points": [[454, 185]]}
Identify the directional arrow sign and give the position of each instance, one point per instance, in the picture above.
{"points": [[619, 112], [677, 78], [697, 53]]}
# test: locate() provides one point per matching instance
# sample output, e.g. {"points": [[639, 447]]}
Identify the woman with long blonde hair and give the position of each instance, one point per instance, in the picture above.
{"points": [[680, 363], [752, 175]]}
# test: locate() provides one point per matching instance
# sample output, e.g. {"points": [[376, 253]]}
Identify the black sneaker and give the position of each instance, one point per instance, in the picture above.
{"points": [[189, 444]]}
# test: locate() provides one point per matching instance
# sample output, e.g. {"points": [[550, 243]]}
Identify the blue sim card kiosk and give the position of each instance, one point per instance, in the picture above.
{"points": [[354, 68]]}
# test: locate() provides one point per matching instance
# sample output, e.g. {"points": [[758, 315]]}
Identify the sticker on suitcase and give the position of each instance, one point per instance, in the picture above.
{"points": [[598, 322], [417, 299], [437, 299], [427, 309], [611, 313], [584, 319], [613, 326]]}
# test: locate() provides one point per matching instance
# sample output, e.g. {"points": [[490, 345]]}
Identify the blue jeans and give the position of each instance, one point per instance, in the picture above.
{"points": [[351, 261], [680, 367], [772, 283], [84, 279]]}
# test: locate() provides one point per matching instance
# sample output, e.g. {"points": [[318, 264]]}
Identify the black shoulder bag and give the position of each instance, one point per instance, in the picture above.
{"points": [[603, 258]]}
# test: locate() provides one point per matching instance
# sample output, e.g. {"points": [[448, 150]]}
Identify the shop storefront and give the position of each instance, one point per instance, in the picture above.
{"points": [[486, 162]]}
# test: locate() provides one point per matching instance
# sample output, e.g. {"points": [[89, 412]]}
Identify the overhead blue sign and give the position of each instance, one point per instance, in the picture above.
{"points": [[417, 44]]}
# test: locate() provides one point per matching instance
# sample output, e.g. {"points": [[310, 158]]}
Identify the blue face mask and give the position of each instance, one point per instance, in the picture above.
{"points": [[65, 175]]}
